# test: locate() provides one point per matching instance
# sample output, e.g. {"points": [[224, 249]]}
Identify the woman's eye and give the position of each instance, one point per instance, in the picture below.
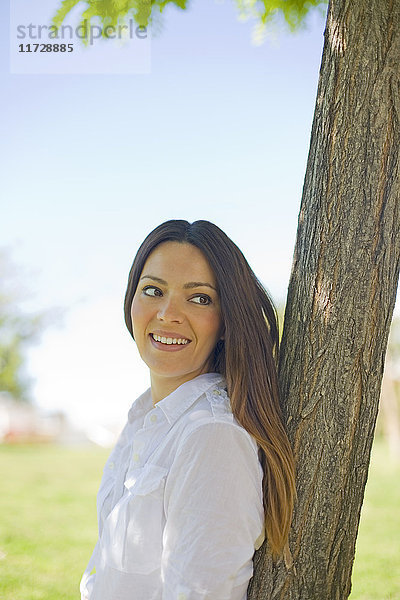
{"points": [[202, 299], [150, 290]]}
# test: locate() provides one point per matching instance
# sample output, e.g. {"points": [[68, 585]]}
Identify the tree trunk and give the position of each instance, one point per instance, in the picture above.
{"points": [[340, 300]]}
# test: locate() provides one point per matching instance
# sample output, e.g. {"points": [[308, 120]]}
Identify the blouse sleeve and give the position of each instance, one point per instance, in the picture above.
{"points": [[214, 515]]}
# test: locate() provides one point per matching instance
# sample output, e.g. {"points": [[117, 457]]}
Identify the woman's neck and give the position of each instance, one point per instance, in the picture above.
{"points": [[162, 386]]}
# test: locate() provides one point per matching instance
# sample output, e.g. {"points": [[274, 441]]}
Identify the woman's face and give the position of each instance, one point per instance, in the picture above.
{"points": [[176, 315]]}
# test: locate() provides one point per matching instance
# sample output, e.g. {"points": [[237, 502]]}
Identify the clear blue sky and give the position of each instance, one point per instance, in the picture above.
{"points": [[219, 130]]}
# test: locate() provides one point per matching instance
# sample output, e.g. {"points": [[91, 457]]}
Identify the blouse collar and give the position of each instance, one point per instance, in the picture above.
{"points": [[178, 401]]}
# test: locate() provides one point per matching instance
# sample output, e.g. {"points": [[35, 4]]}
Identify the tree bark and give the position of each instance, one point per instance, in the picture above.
{"points": [[340, 299]]}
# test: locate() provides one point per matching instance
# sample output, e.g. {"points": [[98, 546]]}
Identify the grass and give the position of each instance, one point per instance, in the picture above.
{"points": [[376, 572], [48, 523]]}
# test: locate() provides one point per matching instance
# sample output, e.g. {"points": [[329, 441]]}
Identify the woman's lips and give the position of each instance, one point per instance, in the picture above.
{"points": [[168, 347]]}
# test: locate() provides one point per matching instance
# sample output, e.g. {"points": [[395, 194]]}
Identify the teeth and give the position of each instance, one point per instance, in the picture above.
{"points": [[165, 340]]}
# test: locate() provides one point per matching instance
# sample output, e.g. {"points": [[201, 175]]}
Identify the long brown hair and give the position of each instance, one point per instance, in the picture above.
{"points": [[247, 357]]}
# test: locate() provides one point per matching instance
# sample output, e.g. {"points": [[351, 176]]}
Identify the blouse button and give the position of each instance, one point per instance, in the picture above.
{"points": [[217, 392], [153, 418], [111, 466], [182, 596], [136, 457]]}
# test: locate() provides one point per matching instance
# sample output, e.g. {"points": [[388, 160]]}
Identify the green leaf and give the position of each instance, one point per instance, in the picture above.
{"points": [[147, 12], [65, 8]]}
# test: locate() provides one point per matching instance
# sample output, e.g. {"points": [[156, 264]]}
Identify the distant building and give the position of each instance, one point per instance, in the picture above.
{"points": [[21, 422]]}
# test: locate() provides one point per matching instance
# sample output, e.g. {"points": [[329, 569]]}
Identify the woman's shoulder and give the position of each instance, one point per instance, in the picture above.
{"points": [[209, 436], [212, 414], [211, 406]]}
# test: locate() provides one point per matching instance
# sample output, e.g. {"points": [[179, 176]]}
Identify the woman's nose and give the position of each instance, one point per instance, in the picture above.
{"points": [[170, 311]]}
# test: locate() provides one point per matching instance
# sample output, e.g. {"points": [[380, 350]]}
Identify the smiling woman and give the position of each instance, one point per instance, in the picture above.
{"points": [[176, 315], [203, 470]]}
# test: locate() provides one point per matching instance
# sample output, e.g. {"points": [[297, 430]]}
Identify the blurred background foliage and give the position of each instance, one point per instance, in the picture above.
{"points": [[19, 328], [148, 13]]}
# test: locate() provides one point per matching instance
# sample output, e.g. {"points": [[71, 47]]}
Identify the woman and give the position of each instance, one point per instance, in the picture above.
{"points": [[203, 466]]}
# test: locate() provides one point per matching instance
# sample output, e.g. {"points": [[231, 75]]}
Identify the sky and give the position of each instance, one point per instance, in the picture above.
{"points": [[217, 129]]}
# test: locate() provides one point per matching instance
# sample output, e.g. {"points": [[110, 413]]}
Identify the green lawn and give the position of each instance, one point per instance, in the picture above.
{"points": [[48, 524], [48, 520], [376, 573]]}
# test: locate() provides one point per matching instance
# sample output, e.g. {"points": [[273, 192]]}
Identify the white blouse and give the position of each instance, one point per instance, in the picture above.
{"points": [[180, 508]]}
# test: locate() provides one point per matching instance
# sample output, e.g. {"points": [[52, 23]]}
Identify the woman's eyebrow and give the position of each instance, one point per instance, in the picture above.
{"points": [[194, 284], [154, 279], [189, 285]]}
